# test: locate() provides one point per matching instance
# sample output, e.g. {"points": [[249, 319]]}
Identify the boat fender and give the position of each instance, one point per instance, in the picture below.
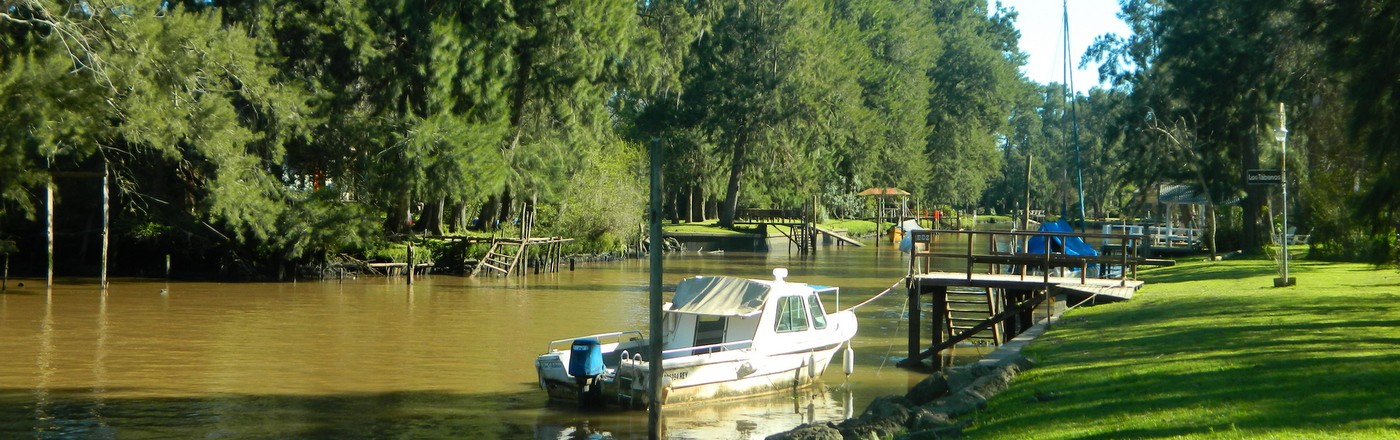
{"points": [[811, 365], [745, 370], [848, 360]]}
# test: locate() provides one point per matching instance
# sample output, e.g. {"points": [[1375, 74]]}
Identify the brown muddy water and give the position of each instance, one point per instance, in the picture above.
{"points": [[449, 357]]}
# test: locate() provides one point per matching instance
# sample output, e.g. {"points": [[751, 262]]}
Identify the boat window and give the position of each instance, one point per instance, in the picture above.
{"points": [[792, 314], [818, 315], [709, 330]]}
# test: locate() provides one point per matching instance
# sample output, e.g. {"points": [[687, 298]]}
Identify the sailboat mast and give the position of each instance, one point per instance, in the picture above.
{"points": [[1074, 119]]}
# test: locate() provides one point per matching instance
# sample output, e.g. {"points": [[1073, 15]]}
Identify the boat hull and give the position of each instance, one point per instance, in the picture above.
{"points": [[701, 377]]}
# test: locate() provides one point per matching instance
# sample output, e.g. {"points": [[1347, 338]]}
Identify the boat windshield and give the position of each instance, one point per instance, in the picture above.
{"points": [[818, 315]]}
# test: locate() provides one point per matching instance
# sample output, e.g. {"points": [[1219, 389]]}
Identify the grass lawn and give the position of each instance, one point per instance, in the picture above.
{"points": [[705, 227], [1212, 350], [853, 227]]}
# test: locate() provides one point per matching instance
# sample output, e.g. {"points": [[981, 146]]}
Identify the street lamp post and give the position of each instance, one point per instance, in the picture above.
{"points": [[1281, 135]]}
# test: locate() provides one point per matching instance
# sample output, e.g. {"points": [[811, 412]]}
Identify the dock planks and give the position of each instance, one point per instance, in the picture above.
{"points": [[838, 236], [1112, 289]]}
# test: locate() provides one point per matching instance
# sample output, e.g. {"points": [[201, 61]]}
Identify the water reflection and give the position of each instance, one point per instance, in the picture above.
{"points": [[752, 418], [372, 357]]}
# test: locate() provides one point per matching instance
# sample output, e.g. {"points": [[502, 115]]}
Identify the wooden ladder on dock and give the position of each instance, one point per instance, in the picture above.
{"points": [[965, 309], [502, 257]]}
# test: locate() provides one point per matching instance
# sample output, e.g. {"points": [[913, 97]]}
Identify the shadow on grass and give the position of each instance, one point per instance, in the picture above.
{"points": [[1198, 272], [1304, 364], [1259, 394]]}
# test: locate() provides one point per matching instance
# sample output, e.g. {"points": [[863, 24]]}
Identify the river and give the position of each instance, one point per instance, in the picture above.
{"points": [[449, 357]]}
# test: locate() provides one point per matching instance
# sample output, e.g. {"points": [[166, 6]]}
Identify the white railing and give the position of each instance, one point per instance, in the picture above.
{"points": [[618, 336], [708, 349]]}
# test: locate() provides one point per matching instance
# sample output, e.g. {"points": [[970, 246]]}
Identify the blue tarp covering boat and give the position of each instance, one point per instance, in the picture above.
{"points": [[1065, 245]]}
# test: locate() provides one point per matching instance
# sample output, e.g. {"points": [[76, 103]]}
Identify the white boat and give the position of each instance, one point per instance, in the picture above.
{"points": [[722, 337]]}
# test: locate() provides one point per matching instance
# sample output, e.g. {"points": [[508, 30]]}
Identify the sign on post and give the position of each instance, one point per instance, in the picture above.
{"points": [[1264, 177]]}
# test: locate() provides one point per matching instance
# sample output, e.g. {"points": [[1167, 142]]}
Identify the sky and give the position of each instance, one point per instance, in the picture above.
{"points": [[1041, 23]]}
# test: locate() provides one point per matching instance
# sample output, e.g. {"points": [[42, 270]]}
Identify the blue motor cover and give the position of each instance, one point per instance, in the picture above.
{"points": [[585, 358]]}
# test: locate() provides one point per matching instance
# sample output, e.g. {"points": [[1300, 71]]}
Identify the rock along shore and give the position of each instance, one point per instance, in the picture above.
{"points": [[935, 407]]}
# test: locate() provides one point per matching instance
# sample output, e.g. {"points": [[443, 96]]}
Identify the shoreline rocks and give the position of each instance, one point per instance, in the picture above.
{"points": [[935, 407]]}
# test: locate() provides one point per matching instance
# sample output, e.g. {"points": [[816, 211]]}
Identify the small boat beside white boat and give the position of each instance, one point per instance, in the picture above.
{"points": [[722, 337]]}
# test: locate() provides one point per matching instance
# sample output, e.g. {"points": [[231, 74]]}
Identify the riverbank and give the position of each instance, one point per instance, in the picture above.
{"points": [[1213, 350]]}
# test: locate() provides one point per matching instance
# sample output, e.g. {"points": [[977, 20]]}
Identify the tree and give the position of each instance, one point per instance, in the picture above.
{"points": [[1210, 63], [1359, 43], [975, 83], [733, 86]]}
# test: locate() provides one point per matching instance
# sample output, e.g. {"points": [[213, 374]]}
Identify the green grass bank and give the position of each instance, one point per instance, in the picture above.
{"points": [[1212, 350]]}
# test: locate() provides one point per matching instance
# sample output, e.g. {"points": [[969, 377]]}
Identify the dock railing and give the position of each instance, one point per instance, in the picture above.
{"points": [[1008, 250], [775, 216]]}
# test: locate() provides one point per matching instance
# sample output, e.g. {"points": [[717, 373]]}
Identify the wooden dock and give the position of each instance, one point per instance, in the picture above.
{"points": [[511, 256], [514, 255], [1106, 289], [798, 225], [795, 224], [839, 237], [1015, 283]]}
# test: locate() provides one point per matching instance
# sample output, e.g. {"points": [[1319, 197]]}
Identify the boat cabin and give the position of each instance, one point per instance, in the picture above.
{"points": [[710, 314]]}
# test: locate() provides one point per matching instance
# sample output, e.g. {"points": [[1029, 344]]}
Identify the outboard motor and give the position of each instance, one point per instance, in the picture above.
{"points": [[586, 366]]}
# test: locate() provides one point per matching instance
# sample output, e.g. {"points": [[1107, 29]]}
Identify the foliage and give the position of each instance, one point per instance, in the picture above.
{"points": [[1042, 127], [398, 252], [596, 204], [1359, 41], [1209, 350], [1204, 82], [974, 87], [251, 135]]}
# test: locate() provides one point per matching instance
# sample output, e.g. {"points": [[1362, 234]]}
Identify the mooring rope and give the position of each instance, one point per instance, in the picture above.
{"points": [[890, 349], [877, 296]]}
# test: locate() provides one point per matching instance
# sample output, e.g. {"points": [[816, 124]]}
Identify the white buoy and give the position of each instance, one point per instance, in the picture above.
{"points": [[849, 360], [811, 365]]}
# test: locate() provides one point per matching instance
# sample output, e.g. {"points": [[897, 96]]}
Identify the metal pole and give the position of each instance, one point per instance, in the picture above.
{"points": [[1283, 127], [654, 347], [1029, 157], [1074, 120]]}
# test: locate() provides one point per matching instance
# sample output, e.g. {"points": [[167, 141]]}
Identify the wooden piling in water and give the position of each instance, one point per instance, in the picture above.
{"points": [[48, 201], [106, 229], [410, 263]]}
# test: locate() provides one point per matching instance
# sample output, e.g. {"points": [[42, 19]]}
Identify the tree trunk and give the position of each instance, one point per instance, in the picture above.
{"points": [[677, 202], [731, 193], [432, 217], [1210, 211], [456, 217], [398, 220], [486, 216], [507, 204], [697, 203]]}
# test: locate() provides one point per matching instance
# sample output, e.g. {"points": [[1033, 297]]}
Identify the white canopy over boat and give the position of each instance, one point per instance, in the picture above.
{"points": [[720, 296]]}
